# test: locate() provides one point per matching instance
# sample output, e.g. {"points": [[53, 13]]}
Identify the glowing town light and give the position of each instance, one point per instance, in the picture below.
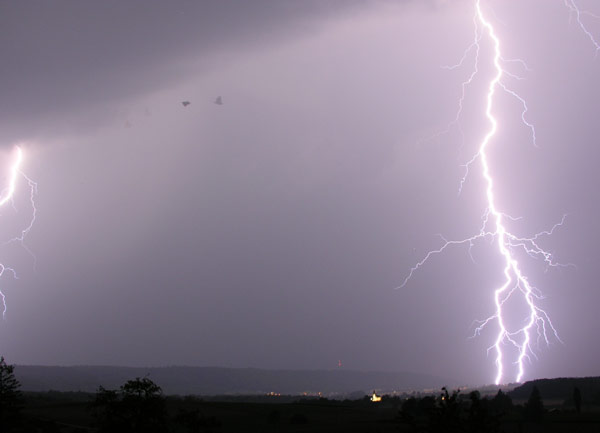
{"points": [[515, 284], [375, 398]]}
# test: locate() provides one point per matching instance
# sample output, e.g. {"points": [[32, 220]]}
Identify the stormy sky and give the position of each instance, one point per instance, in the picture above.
{"points": [[273, 231]]}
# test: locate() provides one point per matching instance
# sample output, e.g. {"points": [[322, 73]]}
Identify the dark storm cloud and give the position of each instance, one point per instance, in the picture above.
{"points": [[63, 56]]}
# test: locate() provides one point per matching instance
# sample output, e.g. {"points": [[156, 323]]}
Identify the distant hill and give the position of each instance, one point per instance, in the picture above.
{"points": [[560, 388], [215, 380]]}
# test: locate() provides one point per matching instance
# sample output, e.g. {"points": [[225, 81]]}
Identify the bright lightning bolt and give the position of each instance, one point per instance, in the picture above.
{"points": [[516, 284], [7, 195]]}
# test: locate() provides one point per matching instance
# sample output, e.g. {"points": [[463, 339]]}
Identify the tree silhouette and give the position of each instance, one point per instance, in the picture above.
{"points": [[138, 406], [10, 396], [501, 403], [534, 408], [577, 399], [447, 414], [481, 418]]}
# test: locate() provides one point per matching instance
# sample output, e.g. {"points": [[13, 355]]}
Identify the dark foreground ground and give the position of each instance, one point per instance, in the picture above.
{"points": [[70, 413]]}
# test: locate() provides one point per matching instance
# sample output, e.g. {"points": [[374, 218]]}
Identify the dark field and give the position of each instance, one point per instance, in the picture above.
{"points": [[141, 406], [70, 412]]}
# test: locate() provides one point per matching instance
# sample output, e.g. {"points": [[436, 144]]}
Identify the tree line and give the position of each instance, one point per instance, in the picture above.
{"points": [[453, 412]]}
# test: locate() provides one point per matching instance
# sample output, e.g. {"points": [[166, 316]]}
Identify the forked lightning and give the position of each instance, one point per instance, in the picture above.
{"points": [[536, 324], [7, 195]]}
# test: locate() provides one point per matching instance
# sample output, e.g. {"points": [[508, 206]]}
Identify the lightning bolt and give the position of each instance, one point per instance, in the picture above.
{"points": [[7, 195], [516, 285], [574, 9]]}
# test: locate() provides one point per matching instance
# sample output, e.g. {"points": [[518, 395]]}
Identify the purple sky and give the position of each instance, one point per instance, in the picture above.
{"points": [[273, 230]]}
